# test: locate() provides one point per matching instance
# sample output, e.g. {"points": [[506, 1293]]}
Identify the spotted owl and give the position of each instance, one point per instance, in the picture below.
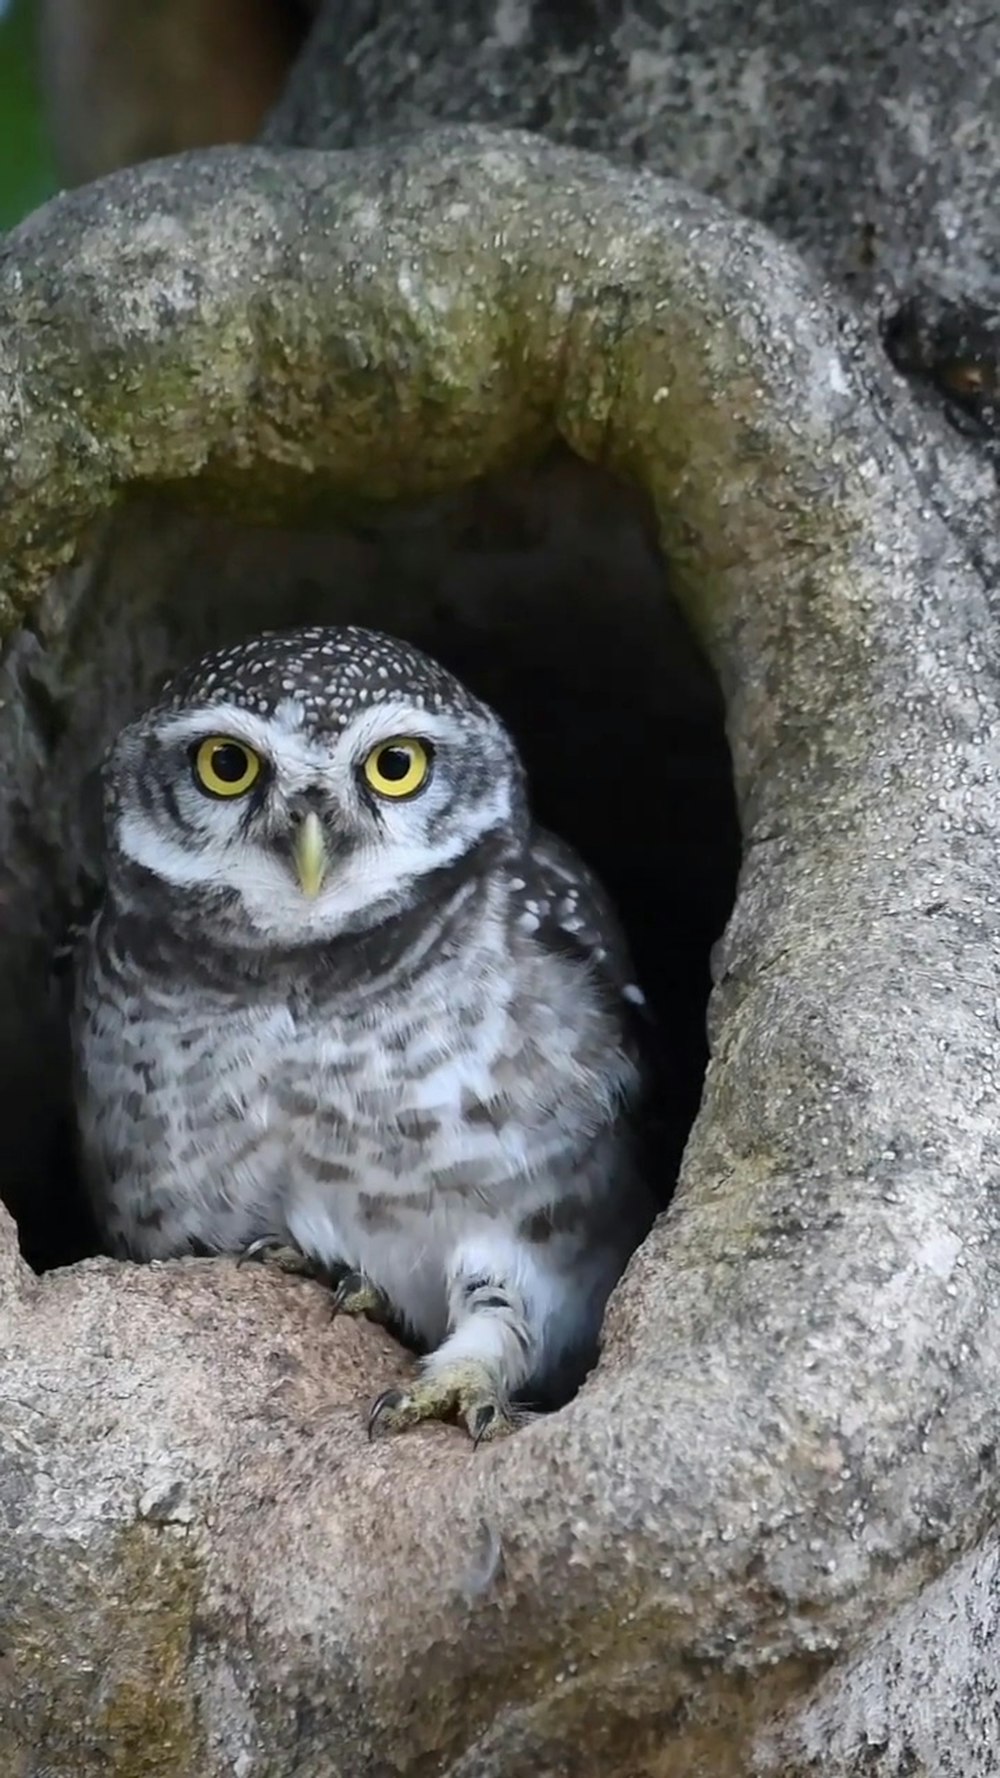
{"points": [[344, 997]]}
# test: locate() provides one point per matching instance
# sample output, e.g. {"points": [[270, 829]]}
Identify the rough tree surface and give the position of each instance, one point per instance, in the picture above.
{"points": [[760, 1540]]}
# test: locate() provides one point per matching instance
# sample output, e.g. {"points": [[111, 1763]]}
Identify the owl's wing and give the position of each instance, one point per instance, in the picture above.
{"points": [[569, 911]]}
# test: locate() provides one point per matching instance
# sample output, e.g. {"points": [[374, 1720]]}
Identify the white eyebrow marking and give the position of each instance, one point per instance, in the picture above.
{"points": [[266, 735], [381, 722]]}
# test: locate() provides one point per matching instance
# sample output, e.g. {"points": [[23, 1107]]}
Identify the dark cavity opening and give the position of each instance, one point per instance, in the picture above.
{"points": [[544, 590]]}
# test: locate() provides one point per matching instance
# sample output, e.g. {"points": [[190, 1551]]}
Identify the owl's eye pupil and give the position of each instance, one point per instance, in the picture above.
{"points": [[394, 763], [229, 763]]}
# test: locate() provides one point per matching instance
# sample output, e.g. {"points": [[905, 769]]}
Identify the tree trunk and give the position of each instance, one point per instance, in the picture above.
{"points": [[460, 384]]}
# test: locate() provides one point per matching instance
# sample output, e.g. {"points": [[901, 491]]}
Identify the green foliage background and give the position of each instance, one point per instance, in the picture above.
{"points": [[27, 169]]}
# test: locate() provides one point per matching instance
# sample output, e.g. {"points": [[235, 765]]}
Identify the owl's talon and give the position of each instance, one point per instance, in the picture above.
{"points": [[263, 1244], [276, 1251], [357, 1295], [384, 1404], [480, 1422], [464, 1391]]}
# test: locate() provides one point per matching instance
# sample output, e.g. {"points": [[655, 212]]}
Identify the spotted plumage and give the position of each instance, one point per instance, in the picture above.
{"points": [[343, 994]]}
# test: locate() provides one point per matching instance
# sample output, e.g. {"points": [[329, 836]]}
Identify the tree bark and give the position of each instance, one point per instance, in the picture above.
{"points": [[735, 1552], [864, 134]]}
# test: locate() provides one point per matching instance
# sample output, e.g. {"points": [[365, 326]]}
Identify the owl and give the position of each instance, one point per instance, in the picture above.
{"points": [[344, 997]]}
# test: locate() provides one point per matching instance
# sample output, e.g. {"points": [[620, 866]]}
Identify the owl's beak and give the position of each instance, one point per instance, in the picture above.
{"points": [[310, 854]]}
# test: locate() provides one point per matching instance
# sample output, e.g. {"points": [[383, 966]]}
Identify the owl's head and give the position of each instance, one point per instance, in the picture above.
{"points": [[310, 783]]}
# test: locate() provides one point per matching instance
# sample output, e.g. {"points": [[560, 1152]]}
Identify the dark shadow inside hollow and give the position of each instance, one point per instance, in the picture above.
{"points": [[544, 590]]}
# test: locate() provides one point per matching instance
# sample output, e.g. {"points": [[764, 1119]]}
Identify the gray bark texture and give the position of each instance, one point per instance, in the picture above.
{"points": [[760, 1543]]}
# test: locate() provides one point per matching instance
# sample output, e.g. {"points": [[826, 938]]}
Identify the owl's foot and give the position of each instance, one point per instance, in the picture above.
{"points": [[274, 1250], [464, 1390], [357, 1295]]}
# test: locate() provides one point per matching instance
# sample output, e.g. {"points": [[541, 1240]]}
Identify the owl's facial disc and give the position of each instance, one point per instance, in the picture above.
{"points": [[310, 829]]}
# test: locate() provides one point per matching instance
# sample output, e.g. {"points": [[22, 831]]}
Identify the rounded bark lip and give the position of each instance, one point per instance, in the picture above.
{"points": [[736, 1490], [390, 321]]}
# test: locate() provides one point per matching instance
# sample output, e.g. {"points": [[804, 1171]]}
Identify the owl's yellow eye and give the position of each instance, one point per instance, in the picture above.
{"points": [[397, 767], [225, 767]]}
